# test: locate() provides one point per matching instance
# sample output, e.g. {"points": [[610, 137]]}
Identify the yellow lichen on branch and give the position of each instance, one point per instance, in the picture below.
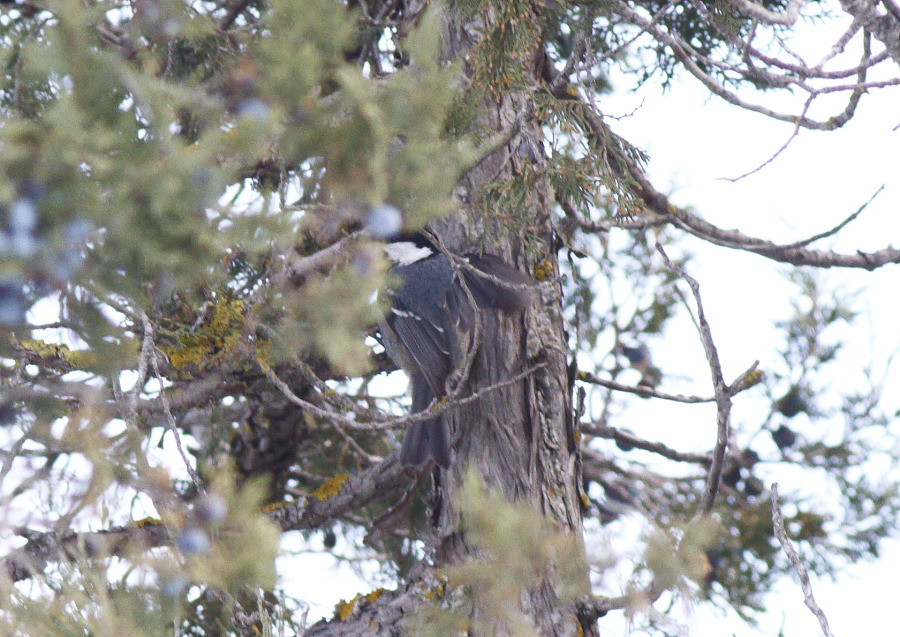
{"points": [[274, 506], [145, 522], [330, 488], [343, 610], [213, 341], [75, 358]]}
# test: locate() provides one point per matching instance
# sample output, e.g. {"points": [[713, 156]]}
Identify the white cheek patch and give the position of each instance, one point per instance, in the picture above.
{"points": [[406, 252]]}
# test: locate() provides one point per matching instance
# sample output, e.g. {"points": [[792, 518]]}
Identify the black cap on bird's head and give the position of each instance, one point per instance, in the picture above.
{"points": [[493, 282]]}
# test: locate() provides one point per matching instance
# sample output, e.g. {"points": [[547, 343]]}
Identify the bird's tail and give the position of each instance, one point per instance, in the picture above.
{"points": [[424, 441]]}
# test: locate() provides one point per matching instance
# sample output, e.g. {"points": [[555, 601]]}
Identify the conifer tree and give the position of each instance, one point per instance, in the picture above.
{"points": [[194, 199]]}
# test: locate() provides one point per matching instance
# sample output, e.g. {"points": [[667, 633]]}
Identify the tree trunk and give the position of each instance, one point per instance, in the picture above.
{"points": [[520, 437]]}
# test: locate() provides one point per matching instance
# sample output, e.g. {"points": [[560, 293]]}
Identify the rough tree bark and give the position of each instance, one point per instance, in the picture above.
{"points": [[520, 437], [884, 26], [523, 444]]}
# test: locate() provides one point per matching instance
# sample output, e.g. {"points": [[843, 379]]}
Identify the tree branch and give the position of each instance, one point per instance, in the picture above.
{"points": [[623, 437], [786, 18], [641, 390], [43, 549], [784, 254], [723, 395], [438, 405], [692, 61], [326, 258], [626, 170], [884, 27], [591, 607], [383, 480], [781, 534]]}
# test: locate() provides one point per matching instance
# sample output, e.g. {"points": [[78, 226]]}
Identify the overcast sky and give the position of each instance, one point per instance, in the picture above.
{"points": [[695, 142]]}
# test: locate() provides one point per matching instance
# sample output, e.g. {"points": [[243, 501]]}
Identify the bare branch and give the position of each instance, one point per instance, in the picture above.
{"points": [[884, 27], [170, 419], [498, 141], [892, 8], [592, 607], [689, 222], [384, 480], [188, 394], [43, 549], [837, 228], [438, 406], [322, 260], [666, 212], [781, 534], [781, 149], [641, 390], [787, 18], [691, 60], [723, 395], [623, 437], [838, 47], [785, 254], [332, 397]]}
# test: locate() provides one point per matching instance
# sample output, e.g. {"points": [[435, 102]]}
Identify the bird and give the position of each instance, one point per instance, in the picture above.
{"points": [[639, 359], [434, 312]]}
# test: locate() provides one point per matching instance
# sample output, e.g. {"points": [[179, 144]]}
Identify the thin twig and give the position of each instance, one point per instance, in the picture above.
{"points": [[591, 607], [661, 211], [170, 419], [723, 395], [777, 153], [836, 229], [623, 437], [781, 534], [455, 380], [146, 351], [498, 141], [640, 390], [321, 260], [331, 396], [437, 407], [12, 455], [694, 63], [130, 416]]}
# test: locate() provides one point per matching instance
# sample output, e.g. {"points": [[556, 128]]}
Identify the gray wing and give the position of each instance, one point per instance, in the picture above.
{"points": [[418, 338], [502, 287]]}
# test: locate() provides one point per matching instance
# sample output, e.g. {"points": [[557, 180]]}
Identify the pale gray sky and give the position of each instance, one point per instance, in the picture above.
{"points": [[694, 141]]}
